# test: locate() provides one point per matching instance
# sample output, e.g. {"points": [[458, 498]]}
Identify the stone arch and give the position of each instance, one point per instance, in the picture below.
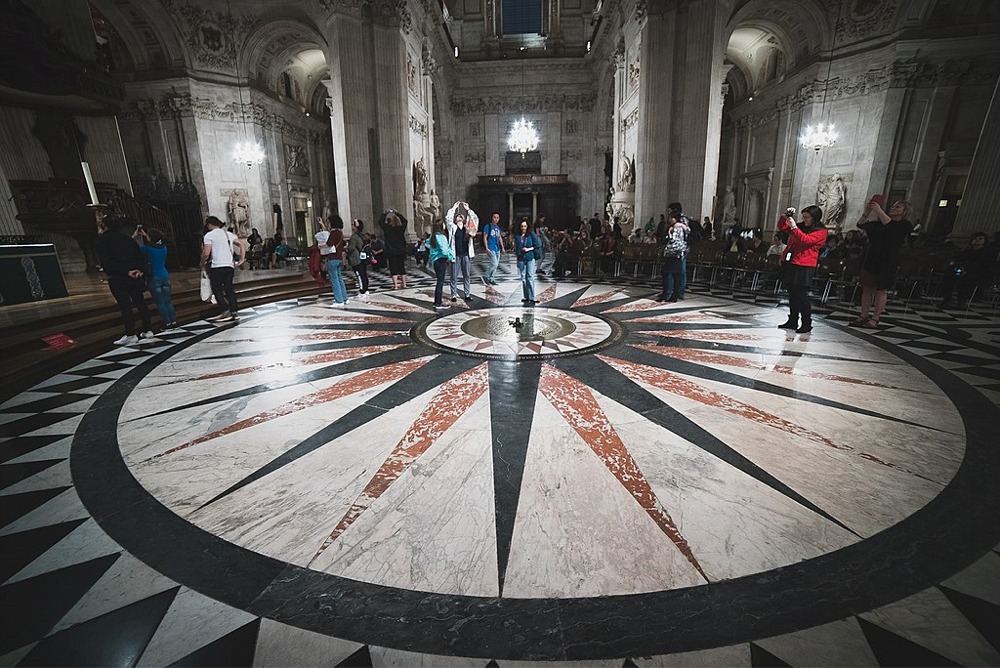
{"points": [[274, 46], [149, 34], [802, 28]]}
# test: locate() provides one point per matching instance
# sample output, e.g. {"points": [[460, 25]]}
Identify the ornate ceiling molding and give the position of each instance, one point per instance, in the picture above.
{"points": [[213, 37], [863, 19]]}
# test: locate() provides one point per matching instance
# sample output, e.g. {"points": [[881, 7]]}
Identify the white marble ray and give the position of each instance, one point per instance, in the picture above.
{"points": [[433, 529], [384, 657], [929, 619], [579, 532], [881, 496], [186, 479], [12, 417], [840, 643], [925, 451], [25, 398], [88, 541], [734, 524], [64, 507], [191, 622], [290, 513], [733, 656], [282, 645], [57, 475], [981, 579], [14, 658], [56, 450], [127, 581]]}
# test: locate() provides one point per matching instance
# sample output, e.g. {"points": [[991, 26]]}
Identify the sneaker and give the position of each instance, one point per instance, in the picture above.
{"points": [[170, 325], [468, 297], [441, 307], [148, 334], [127, 340], [221, 317]]}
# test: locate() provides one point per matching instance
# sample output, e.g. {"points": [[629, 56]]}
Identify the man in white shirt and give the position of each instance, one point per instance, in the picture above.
{"points": [[217, 257]]}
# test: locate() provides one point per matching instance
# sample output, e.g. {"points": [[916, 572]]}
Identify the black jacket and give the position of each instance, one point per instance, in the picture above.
{"points": [[118, 254]]}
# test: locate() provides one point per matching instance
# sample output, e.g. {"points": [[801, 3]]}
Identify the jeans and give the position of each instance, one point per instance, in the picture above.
{"points": [[222, 288], [673, 284], [491, 273], [440, 268], [527, 268], [683, 277], [160, 289], [465, 262], [128, 292], [454, 277], [337, 281]]}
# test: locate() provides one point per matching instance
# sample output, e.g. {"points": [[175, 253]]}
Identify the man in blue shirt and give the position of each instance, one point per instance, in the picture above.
{"points": [[493, 241]]}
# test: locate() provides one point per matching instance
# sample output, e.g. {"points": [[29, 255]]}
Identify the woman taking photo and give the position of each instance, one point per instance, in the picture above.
{"points": [[878, 266], [441, 256], [805, 239], [159, 283], [529, 250], [394, 228], [355, 251]]}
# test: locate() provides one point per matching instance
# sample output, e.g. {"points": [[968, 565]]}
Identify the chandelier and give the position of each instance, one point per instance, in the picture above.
{"points": [[819, 136], [248, 153], [522, 137]]}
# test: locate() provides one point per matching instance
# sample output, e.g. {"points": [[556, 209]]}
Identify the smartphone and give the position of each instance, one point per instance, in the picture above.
{"points": [[878, 199]]}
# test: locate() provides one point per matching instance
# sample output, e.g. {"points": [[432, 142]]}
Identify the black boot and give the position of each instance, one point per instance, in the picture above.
{"points": [[806, 327], [791, 323]]}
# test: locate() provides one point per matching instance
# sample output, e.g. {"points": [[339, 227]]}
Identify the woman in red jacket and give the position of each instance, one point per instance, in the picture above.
{"points": [[805, 239]]}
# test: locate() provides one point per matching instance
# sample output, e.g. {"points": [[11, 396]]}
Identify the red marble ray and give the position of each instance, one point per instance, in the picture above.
{"points": [[680, 317], [546, 295], [357, 383], [329, 356], [452, 399], [701, 335], [829, 376], [396, 306], [671, 382], [638, 305], [578, 407], [494, 295], [595, 299], [347, 316]]}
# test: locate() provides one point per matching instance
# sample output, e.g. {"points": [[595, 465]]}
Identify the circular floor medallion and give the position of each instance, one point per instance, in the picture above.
{"points": [[518, 332]]}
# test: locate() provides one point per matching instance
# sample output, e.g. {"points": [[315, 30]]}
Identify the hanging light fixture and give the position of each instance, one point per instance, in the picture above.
{"points": [[246, 151], [823, 135], [522, 137]]}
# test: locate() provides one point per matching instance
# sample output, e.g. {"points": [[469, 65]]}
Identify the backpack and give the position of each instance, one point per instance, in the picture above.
{"points": [[675, 246]]}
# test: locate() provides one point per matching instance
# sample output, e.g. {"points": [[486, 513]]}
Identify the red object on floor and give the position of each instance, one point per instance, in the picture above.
{"points": [[59, 341]]}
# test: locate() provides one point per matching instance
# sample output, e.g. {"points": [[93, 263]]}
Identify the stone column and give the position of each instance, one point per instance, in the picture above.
{"points": [[978, 210], [368, 115]]}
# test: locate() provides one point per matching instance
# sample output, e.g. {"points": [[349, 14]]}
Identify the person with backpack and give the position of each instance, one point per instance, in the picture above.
{"points": [[359, 255], [690, 236], [673, 259], [529, 252]]}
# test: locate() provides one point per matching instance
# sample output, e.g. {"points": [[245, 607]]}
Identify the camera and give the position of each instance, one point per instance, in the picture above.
{"points": [[790, 211]]}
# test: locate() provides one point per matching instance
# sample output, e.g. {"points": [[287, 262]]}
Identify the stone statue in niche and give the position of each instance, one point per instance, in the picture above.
{"points": [[419, 178], [729, 207], [626, 175], [296, 157], [436, 210], [831, 198], [238, 210]]}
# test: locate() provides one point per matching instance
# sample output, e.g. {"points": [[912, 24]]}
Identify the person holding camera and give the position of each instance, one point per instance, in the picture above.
{"points": [[357, 256], [159, 282], [969, 269], [125, 266], [886, 235], [393, 226], [805, 239]]}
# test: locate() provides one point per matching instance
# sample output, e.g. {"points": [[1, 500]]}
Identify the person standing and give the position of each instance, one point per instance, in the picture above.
{"points": [[673, 259], [441, 256], [676, 209], [217, 253], [335, 259], [159, 282], [801, 256], [393, 226], [464, 252], [878, 266], [493, 242], [529, 251], [357, 256], [125, 267]]}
